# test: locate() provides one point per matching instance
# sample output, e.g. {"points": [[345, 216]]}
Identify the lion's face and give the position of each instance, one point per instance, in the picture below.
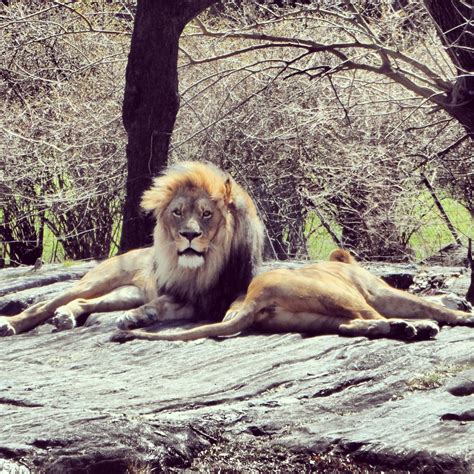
{"points": [[207, 239], [192, 220]]}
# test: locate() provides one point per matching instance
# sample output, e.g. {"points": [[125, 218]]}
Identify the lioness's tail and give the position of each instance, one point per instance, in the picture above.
{"points": [[340, 255]]}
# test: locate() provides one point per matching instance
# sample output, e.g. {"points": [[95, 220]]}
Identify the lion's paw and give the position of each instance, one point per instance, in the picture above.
{"points": [[137, 318], [6, 329], [127, 320], [63, 319], [122, 336], [401, 329]]}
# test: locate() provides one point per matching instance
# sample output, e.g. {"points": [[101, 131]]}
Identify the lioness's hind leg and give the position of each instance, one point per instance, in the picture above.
{"points": [[122, 298], [393, 303], [391, 328], [378, 328]]}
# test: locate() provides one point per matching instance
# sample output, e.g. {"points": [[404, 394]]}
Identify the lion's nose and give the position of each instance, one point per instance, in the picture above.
{"points": [[190, 234]]}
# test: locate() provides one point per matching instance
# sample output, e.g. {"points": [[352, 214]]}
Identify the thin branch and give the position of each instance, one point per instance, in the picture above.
{"points": [[79, 14], [31, 140], [332, 48], [440, 153], [239, 52], [346, 114]]}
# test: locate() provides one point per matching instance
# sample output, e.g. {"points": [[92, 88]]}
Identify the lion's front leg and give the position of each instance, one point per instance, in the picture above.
{"points": [[162, 308], [121, 298]]}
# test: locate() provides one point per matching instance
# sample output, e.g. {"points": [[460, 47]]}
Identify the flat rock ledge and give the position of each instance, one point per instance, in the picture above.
{"points": [[72, 402]]}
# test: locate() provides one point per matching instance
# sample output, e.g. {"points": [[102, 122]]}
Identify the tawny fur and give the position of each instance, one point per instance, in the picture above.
{"points": [[200, 211], [338, 296]]}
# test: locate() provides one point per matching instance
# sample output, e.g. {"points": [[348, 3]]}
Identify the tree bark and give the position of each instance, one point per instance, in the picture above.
{"points": [[151, 103], [453, 20]]}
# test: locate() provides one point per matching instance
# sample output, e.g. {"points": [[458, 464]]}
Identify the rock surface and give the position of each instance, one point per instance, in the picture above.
{"points": [[74, 402]]}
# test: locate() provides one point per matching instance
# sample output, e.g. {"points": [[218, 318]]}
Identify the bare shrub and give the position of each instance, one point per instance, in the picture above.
{"points": [[298, 99], [327, 115], [63, 77]]}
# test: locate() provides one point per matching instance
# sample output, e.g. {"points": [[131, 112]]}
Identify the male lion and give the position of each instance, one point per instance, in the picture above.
{"points": [[208, 242], [338, 296]]}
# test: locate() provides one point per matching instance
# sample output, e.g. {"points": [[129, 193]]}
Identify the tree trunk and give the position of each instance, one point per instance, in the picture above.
{"points": [[149, 108], [470, 291], [453, 20], [151, 103]]}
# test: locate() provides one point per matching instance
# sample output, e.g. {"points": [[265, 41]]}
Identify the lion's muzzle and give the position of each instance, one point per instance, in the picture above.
{"points": [[190, 258]]}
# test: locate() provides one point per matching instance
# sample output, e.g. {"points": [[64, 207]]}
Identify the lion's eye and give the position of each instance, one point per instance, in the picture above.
{"points": [[207, 214], [177, 213]]}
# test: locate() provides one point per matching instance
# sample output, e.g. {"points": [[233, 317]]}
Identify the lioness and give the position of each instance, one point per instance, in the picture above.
{"points": [[208, 242], [338, 296]]}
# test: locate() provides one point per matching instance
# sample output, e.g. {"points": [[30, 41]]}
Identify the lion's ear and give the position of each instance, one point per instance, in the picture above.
{"points": [[228, 192]]}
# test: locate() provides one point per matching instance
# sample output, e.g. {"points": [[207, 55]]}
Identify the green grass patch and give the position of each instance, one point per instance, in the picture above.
{"points": [[434, 379], [116, 233], [53, 251], [319, 243], [433, 233]]}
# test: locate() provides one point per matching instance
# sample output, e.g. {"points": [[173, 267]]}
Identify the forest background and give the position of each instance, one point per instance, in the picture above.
{"points": [[336, 116]]}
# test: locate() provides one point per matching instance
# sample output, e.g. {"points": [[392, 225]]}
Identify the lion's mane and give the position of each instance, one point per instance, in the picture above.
{"points": [[234, 253]]}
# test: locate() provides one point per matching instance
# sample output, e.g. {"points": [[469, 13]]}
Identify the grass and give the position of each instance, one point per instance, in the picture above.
{"points": [[52, 248], [319, 243], [435, 379], [116, 233]]}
